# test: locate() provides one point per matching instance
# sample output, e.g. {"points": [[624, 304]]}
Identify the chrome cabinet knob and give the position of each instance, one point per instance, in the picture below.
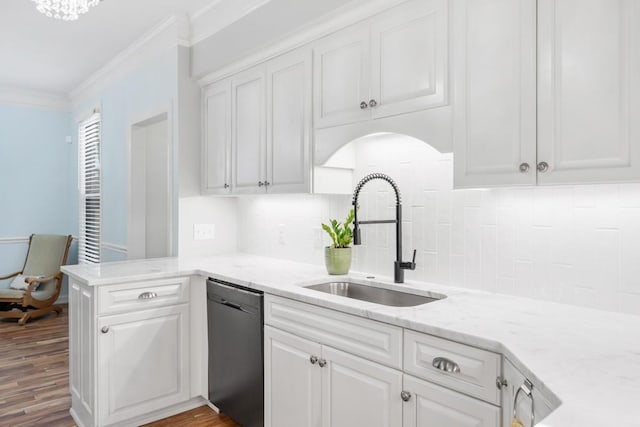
{"points": [[267, 183], [405, 396], [322, 363], [372, 103], [313, 360], [104, 329], [363, 105], [524, 167], [226, 185], [543, 167], [260, 183]]}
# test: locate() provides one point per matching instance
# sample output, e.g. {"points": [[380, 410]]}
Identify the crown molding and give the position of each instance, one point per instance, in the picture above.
{"points": [[352, 12], [218, 15], [33, 98], [173, 31]]}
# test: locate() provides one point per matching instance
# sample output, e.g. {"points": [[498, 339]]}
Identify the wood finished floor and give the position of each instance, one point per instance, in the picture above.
{"points": [[34, 378]]}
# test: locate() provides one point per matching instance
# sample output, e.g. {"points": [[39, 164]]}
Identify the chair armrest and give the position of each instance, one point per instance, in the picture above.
{"points": [[10, 276], [33, 281]]}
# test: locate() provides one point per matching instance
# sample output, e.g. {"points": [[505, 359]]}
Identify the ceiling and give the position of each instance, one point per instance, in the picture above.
{"points": [[44, 54]]}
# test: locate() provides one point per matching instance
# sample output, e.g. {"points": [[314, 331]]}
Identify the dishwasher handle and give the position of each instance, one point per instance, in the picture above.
{"points": [[235, 306]]}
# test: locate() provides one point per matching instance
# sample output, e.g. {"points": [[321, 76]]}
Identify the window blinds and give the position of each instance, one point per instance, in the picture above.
{"points": [[90, 190]]}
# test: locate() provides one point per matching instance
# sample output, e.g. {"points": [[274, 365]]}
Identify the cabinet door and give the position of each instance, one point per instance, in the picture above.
{"points": [[216, 167], [289, 122], [359, 393], [248, 131], [341, 77], [292, 383], [494, 51], [143, 362], [434, 406], [409, 58], [589, 91], [514, 379]]}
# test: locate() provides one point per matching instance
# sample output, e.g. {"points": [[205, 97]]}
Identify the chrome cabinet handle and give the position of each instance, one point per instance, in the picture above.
{"points": [[446, 365], [363, 105], [524, 167], [322, 363], [527, 389], [104, 329], [226, 185], [313, 360], [543, 167], [267, 183], [260, 183], [372, 103], [148, 295], [405, 396]]}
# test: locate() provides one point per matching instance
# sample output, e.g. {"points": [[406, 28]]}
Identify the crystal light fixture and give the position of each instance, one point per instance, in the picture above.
{"points": [[67, 10]]}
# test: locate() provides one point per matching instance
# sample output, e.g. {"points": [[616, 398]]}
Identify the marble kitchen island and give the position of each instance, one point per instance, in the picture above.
{"points": [[584, 362]]}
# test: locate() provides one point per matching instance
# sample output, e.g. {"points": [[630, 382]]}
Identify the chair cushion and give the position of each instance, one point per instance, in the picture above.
{"points": [[20, 284], [11, 294], [16, 294]]}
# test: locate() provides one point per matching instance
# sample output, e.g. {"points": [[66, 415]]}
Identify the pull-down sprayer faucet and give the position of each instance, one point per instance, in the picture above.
{"points": [[399, 266]]}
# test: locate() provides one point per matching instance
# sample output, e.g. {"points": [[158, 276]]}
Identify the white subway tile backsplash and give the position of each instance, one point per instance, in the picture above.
{"points": [[572, 244]]}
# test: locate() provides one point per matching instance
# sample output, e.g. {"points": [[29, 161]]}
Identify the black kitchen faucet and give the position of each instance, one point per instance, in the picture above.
{"points": [[399, 266]]}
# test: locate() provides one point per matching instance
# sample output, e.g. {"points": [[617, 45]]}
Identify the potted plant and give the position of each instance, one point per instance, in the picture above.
{"points": [[337, 257]]}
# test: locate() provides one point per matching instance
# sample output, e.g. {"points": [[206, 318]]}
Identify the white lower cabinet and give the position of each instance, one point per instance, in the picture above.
{"points": [[137, 350], [142, 362], [431, 405], [309, 383], [292, 383], [357, 392]]}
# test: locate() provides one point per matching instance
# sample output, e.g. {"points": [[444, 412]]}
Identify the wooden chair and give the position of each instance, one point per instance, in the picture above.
{"points": [[41, 272]]}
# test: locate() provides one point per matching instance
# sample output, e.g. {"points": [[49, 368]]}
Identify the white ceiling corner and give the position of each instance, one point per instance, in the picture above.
{"points": [[48, 59]]}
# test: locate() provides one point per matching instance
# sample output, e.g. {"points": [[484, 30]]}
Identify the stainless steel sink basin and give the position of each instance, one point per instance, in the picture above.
{"points": [[373, 294]]}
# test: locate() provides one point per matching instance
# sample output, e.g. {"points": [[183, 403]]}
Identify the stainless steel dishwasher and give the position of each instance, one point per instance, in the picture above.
{"points": [[236, 380]]}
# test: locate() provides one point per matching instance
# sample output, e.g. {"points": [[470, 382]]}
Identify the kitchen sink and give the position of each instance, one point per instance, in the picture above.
{"points": [[373, 294]]}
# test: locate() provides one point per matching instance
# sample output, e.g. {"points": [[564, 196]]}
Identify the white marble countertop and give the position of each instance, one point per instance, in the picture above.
{"points": [[588, 359]]}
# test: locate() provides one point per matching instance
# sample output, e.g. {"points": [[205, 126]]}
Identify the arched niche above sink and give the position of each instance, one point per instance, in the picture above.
{"points": [[378, 152], [432, 126]]}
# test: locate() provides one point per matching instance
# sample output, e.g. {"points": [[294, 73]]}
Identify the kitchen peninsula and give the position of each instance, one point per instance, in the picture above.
{"points": [[583, 363]]}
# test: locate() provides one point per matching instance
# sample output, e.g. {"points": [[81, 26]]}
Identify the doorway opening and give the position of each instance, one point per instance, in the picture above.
{"points": [[150, 188]]}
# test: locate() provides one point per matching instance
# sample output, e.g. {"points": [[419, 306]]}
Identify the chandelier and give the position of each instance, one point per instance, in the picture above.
{"points": [[68, 10]]}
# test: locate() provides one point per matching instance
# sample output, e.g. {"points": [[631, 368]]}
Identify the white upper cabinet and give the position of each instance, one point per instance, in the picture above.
{"points": [[288, 150], [494, 54], [552, 100], [341, 77], [589, 90], [216, 157], [393, 63], [248, 130], [257, 127], [409, 58]]}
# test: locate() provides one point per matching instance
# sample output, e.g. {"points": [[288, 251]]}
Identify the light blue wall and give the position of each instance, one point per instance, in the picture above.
{"points": [[152, 86], [37, 173]]}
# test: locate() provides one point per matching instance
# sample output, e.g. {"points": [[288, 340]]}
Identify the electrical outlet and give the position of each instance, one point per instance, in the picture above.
{"points": [[281, 228], [204, 231]]}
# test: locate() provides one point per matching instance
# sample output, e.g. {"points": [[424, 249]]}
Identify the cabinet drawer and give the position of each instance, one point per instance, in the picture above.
{"points": [[367, 338], [476, 371], [138, 295]]}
